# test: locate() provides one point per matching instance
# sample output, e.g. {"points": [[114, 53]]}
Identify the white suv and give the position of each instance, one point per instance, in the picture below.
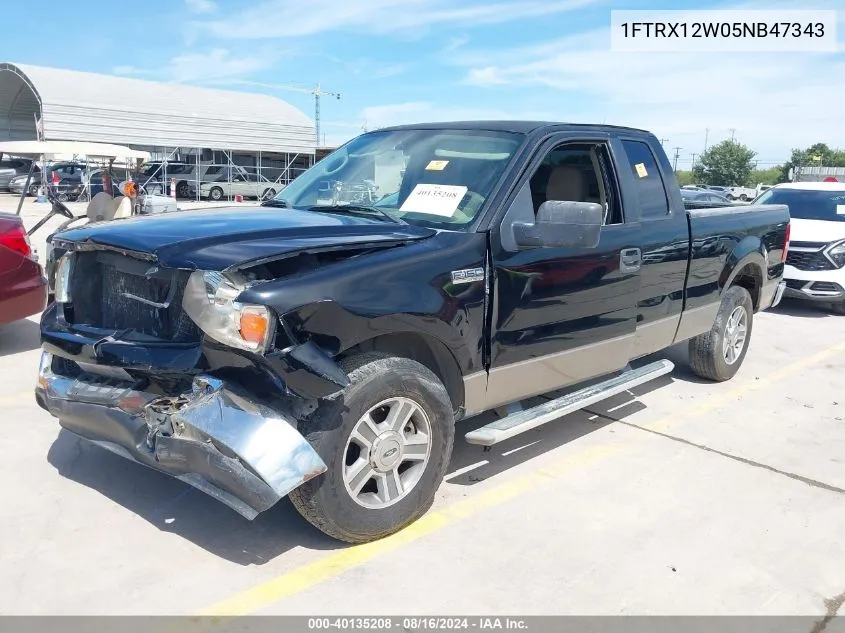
{"points": [[815, 263]]}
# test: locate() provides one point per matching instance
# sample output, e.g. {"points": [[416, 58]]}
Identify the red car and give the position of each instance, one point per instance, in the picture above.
{"points": [[23, 287]]}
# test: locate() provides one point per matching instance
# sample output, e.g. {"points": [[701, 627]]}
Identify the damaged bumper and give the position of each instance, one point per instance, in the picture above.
{"points": [[213, 437]]}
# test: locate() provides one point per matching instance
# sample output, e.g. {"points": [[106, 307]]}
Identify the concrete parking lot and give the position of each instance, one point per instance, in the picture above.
{"points": [[685, 497]]}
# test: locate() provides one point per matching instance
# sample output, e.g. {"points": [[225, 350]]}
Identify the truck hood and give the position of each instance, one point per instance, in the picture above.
{"points": [[816, 230], [217, 239]]}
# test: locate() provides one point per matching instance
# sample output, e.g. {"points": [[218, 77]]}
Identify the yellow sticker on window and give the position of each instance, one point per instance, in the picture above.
{"points": [[641, 170], [437, 165]]}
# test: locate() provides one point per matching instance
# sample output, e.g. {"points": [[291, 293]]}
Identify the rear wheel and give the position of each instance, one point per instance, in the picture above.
{"points": [[216, 193], [718, 354], [744, 198], [387, 440], [268, 193]]}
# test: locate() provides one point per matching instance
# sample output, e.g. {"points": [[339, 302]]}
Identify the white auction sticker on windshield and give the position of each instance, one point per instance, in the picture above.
{"points": [[434, 199], [840, 209]]}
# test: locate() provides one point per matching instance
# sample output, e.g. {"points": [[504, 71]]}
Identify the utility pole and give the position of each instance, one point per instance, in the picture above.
{"points": [[316, 91], [733, 131], [693, 162], [663, 141], [677, 153], [706, 136]]}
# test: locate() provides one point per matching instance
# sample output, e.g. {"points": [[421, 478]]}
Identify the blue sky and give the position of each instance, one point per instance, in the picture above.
{"points": [[397, 61]]}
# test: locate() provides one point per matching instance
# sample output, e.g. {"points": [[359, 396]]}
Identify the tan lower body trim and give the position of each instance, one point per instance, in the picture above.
{"points": [[536, 376], [697, 321]]}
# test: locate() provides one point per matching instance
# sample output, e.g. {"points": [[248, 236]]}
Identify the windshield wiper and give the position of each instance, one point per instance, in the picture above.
{"points": [[357, 207], [272, 202]]}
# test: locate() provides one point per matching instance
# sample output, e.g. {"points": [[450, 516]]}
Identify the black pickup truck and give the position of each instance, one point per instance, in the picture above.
{"points": [[324, 345]]}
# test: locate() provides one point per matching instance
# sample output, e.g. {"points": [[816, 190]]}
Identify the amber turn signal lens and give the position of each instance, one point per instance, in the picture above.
{"points": [[253, 327]]}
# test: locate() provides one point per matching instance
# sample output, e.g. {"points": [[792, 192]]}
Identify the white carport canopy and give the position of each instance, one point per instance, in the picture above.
{"points": [[82, 106], [49, 149]]}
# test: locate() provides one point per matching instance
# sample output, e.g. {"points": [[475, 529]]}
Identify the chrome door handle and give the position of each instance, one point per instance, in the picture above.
{"points": [[630, 260]]}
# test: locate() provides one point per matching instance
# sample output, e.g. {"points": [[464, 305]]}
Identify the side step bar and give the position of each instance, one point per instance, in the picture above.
{"points": [[522, 421]]}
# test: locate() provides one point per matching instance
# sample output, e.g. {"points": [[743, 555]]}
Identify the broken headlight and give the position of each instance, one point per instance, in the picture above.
{"points": [[210, 300]]}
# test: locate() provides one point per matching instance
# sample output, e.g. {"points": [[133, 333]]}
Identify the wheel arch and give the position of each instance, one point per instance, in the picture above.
{"points": [[423, 348], [745, 267]]}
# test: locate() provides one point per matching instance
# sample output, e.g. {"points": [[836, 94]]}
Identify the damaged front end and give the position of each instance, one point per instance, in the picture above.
{"points": [[213, 436]]}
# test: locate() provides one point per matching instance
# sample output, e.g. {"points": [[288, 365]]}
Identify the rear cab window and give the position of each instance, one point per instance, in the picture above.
{"points": [[648, 183]]}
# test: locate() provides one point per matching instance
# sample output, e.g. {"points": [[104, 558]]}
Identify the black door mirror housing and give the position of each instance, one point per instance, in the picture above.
{"points": [[562, 223]]}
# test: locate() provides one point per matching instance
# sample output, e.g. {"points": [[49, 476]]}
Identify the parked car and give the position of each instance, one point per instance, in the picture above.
{"points": [[703, 199], [12, 167], [741, 193], [23, 288], [70, 179], [815, 266], [325, 350], [248, 185]]}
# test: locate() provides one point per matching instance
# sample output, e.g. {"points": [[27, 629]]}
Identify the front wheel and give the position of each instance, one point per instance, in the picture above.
{"points": [[387, 440], [216, 193], [744, 198], [838, 308], [718, 354]]}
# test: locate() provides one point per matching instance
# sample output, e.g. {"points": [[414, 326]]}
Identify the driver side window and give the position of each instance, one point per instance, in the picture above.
{"points": [[577, 173]]}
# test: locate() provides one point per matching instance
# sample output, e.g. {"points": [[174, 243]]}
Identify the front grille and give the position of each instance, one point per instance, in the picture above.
{"points": [[818, 245], [809, 261], [100, 287]]}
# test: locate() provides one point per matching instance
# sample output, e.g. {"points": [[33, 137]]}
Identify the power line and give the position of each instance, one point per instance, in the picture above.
{"points": [[677, 153]]}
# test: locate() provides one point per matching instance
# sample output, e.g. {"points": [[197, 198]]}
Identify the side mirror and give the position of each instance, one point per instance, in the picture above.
{"points": [[562, 223]]}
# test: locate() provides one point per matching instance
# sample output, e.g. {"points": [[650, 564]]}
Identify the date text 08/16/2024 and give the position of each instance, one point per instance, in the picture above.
{"points": [[421, 623]]}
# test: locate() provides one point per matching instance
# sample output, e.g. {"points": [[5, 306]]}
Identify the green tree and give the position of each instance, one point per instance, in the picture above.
{"points": [[727, 164], [816, 154], [684, 178], [769, 176]]}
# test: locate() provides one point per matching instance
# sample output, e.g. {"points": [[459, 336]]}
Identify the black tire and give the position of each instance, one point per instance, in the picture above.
{"points": [[706, 351], [268, 193], [182, 190], [33, 190], [744, 198], [216, 193], [324, 501]]}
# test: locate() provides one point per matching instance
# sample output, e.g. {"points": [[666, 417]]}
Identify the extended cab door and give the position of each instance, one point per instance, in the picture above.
{"points": [[647, 178], [563, 315]]}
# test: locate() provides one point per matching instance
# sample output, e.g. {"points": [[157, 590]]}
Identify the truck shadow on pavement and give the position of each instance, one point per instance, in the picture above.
{"points": [[172, 506], [175, 507], [19, 336]]}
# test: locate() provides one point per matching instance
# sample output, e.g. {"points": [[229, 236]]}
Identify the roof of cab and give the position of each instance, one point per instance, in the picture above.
{"points": [[523, 127]]}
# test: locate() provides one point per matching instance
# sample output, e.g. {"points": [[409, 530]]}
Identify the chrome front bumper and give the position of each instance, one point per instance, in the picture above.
{"points": [[239, 451]]}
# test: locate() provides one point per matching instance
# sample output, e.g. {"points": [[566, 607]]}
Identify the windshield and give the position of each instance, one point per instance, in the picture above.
{"points": [[808, 204], [431, 177]]}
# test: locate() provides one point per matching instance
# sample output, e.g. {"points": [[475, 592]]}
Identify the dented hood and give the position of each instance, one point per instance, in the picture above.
{"points": [[216, 239]]}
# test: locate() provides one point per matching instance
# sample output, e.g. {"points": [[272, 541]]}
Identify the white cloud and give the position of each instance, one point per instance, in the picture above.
{"points": [[212, 66], [201, 6], [771, 101], [292, 18]]}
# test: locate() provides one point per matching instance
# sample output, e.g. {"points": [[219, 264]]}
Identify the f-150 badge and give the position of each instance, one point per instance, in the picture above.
{"points": [[467, 275]]}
